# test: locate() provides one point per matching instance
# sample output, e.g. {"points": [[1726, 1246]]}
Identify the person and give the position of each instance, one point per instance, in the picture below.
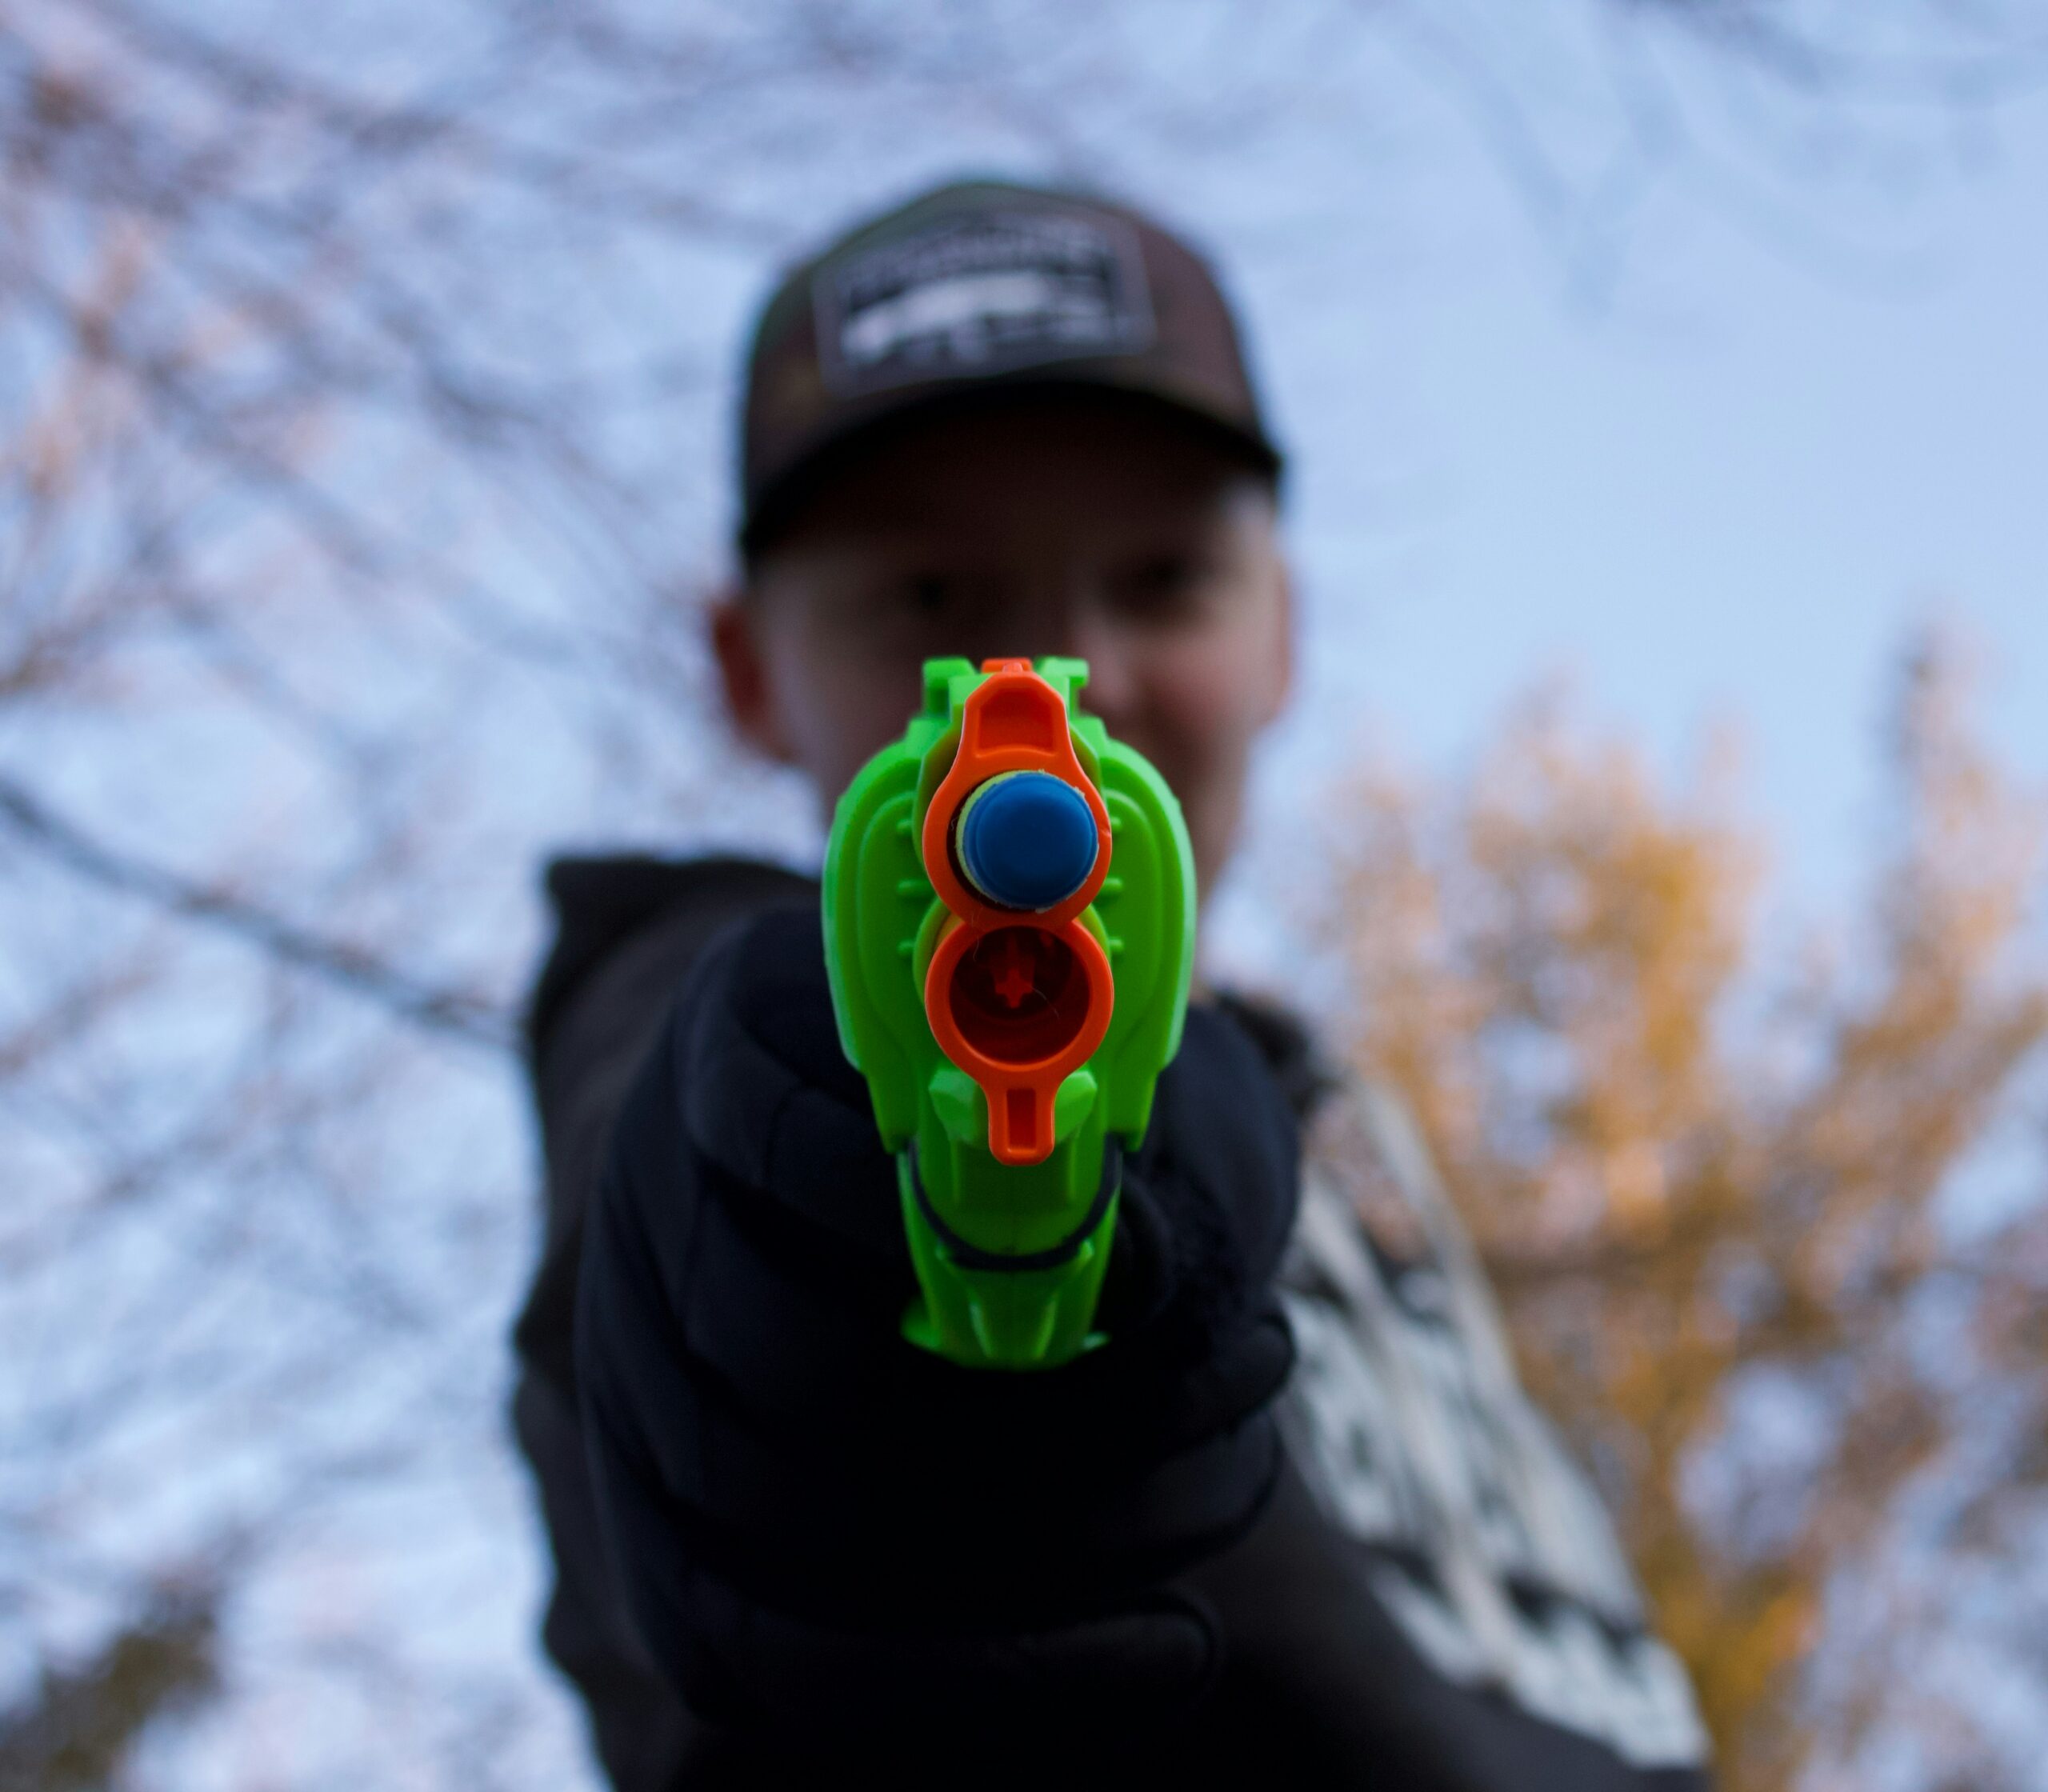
{"points": [[1296, 1518]]}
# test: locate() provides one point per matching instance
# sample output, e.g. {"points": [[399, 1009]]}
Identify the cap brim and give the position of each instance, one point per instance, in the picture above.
{"points": [[906, 408]]}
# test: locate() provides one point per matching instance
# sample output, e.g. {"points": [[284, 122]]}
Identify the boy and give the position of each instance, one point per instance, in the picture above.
{"points": [[1295, 1519]]}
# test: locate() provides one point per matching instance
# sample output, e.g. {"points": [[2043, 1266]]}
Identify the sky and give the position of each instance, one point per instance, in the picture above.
{"points": [[1716, 490]]}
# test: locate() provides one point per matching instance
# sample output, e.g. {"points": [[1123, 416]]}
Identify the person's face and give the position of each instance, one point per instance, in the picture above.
{"points": [[1062, 527]]}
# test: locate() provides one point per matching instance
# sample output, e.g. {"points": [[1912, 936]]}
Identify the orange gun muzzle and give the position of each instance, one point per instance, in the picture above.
{"points": [[1019, 999]]}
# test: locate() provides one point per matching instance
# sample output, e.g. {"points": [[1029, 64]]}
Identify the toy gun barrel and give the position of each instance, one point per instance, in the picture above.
{"points": [[1016, 841]]}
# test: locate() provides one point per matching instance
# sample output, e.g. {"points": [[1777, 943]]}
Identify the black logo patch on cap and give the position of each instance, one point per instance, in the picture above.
{"points": [[981, 294]]}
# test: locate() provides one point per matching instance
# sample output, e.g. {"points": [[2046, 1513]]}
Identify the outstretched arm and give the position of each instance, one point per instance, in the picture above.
{"points": [[824, 1532]]}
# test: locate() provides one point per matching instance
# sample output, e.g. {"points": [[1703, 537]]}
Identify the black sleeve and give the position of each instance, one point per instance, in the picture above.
{"points": [[827, 1536], [628, 931]]}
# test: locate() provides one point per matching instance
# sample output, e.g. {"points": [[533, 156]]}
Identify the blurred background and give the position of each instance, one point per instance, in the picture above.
{"points": [[1662, 810]]}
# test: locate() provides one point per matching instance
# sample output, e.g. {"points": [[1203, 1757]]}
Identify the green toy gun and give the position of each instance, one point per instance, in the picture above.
{"points": [[1010, 931]]}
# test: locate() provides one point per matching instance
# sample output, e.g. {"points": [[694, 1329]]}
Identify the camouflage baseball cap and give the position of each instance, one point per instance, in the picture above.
{"points": [[974, 289]]}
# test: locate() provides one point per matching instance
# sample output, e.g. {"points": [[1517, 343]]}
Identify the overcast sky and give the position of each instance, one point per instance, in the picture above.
{"points": [[1714, 479]]}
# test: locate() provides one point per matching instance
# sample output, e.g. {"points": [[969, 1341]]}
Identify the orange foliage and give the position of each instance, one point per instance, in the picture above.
{"points": [[1683, 1168]]}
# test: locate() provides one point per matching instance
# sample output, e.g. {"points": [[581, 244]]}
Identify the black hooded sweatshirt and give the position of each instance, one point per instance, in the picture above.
{"points": [[1299, 1525]]}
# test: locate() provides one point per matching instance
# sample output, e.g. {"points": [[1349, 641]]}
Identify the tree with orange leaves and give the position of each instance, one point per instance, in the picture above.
{"points": [[1719, 1203]]}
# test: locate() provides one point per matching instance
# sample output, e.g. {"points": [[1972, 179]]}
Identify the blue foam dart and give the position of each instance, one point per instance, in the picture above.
{"points": [[1027, 840]]}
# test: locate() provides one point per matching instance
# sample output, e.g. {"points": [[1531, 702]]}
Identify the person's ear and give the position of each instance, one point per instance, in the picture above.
{"points": [[734, 621]]}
